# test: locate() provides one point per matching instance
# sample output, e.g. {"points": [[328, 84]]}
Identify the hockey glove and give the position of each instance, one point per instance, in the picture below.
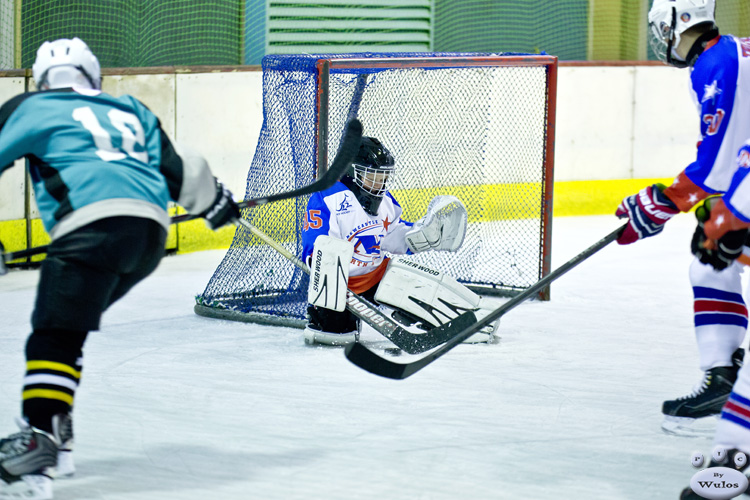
{"points": [[715, 219], [223, 210], [647, 211]]}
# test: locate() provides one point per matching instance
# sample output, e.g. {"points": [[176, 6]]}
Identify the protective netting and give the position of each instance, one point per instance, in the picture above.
{"points": [[128, 33], [478, 133], [559, 27], [7, 34]]}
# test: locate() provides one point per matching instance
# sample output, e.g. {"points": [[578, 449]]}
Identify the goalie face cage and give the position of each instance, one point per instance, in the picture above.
{"points": [[479, 127]]}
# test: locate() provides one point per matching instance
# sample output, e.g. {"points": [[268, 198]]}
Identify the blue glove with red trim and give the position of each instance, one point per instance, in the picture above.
{"points": [[647, 211]]}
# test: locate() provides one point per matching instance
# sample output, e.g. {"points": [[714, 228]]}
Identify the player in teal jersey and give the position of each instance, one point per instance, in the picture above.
{"points": [[103, 172]]}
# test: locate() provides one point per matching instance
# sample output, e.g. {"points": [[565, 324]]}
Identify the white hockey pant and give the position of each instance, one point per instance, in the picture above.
{"points": [[720, 313]]}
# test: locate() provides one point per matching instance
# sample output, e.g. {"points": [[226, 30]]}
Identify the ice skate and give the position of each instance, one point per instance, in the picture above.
{"points": [[696, 413], [63, 432], [26, 459], [314, 336]]}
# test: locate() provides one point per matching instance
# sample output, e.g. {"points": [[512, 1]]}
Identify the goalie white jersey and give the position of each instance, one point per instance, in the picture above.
{"points": [[336, 212]]}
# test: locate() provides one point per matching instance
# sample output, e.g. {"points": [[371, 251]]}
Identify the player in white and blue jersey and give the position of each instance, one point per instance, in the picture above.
{"points": [[684, 34], [720, 240], [103, 172]]}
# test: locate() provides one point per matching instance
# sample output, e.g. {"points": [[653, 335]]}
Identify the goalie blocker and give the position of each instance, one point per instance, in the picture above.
{"points": [[424, 298]]}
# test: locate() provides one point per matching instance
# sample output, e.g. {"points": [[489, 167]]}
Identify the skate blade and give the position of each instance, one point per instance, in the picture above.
{"points": [[65, 467], [690, 427], [28, 488]]}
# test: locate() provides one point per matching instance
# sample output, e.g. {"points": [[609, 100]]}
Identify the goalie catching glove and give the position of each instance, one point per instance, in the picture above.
{"points": [[442, 228], [329, 272], [720, 236]]}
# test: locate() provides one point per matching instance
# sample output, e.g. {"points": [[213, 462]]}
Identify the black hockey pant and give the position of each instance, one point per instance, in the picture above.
{"points": [[84, 273]]}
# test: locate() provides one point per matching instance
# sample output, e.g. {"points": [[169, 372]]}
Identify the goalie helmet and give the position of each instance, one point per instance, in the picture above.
{"points": [[369, 173], [66, 63], [669, 19]]}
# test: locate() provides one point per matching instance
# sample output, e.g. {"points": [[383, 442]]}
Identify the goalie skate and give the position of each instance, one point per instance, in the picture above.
{"points": [[696, 414], [314, 336]]}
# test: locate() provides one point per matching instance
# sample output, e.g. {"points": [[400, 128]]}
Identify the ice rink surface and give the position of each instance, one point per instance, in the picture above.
{"points": [[566, 406]]}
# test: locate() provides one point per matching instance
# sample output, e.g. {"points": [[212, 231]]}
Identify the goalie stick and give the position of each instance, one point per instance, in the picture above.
{"points": [[359, 306], [465, 325], [349, 147]]}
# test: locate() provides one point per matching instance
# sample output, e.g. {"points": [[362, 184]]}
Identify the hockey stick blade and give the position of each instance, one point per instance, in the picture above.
{"points": [[462, 327], [359, 306], [349, 147], [20, 254], [3, 267]]}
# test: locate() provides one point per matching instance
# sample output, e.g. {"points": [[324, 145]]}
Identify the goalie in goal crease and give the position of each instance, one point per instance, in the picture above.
{"points": [[349, 228]]}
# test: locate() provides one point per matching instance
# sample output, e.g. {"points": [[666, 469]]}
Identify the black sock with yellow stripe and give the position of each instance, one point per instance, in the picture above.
{"points": [[53, 371]]}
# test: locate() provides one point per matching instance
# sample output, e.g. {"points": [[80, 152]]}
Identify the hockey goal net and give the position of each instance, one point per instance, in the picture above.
{"points": [[479, 127]]}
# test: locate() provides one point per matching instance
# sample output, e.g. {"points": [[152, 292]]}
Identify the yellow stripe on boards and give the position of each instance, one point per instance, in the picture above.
{"points": [[48, 394], [484, 203], [52, 365], [577, 198]]}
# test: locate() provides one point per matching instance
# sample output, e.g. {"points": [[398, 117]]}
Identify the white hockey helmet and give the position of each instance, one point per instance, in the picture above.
{"points": [[66, 63], [669, 19]]}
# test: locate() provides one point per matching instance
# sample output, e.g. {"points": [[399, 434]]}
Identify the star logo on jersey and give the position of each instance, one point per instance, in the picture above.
{"points": [[345, 205], [710, 91], [386, 223]]}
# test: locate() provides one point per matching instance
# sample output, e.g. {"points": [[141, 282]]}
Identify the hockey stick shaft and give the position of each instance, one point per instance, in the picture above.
{"points": [[463, 327], [355, 304], [349, 147], [347, 151]]}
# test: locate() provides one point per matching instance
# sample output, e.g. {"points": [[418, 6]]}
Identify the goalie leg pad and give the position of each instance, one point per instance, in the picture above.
{"points": [[329, 272], [430, 295]]}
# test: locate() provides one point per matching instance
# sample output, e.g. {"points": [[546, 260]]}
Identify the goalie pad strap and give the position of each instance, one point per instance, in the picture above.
{"points": [[425, 293], [329, 272]]}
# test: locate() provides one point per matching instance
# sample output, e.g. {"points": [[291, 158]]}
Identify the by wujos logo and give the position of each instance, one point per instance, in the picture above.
{"points": [[718, 483]]}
